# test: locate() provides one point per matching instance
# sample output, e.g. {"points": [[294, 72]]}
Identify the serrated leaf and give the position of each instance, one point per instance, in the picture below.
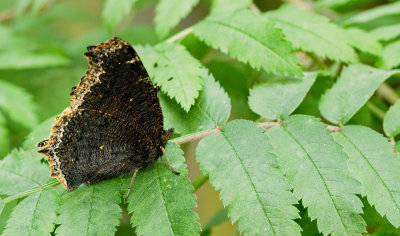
{"points": [[241, 166], [373, 163], [313, 33], [386, 33], [17, 104], [173, 68], [363, 41], [374, 13], [91, 210], [165, 21], [1, 205], [35, 215], [316, 167], [280, 96], [390, 56], [161, 201], [38, 134], [223, 6], [4, 137], [115, 10], [265, 46], [391, 123], [211, 109], [351, 91], [24, 170]]}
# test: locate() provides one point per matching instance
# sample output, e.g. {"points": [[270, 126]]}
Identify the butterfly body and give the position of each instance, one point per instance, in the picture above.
{"points": [[114, 123]]}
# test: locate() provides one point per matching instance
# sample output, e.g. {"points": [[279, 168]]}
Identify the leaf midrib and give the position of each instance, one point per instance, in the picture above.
{"points": [[251, 182], [319, 174], [162, 198], [373, 170], [34, 213], [90, 209], [236, 29]]}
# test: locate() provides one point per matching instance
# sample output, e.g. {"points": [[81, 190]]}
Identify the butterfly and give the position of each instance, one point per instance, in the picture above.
{"points": [[114, 124]]}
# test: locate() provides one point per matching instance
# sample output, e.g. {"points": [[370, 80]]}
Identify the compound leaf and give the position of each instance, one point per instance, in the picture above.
{"points": [[374, 13], [91, 209], [280, 96], [115, 10], [24, 170], [173, 68], [165, 21], [374, 164], [313, 33], [211, 109], [223, 6], [351, 91], [391, 123], [386, 33], [4, 137], [17, 104], [390, 57], [241, 166], [161, 201], [38, 134], [35, 215], [265, 45], [363, 41], [316, 167]]}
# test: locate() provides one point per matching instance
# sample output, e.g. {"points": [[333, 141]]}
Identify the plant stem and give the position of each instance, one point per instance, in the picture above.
{"points": [[387, 93], [199, 182], [195, 136], [29, 192], [179, 35], [376, 110], [320, 63]]}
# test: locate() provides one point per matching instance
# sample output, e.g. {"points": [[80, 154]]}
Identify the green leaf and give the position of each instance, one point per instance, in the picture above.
{"points": [[115, 10], [165, 21], [363, 41], [313, 33], [24, 170], [386, 33], [17, 104], [91, 210], [39, 133], [241, 166], [175, 70], [390, 56], [211, 109], [280, 96], [316, 168], [1, 205], [4, 137], [30, 60], [265, 45], [351, 91], [374, 13], [35, 215], [223, 6], [391, 123], [218, 218], [161, 201], [373, 163]]}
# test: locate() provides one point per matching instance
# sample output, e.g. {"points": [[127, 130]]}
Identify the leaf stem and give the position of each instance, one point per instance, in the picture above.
{"points": [[199, 182], [29, 192], [179, 35], [387, 93], [376, 110], [195, 136], [320, 63]]}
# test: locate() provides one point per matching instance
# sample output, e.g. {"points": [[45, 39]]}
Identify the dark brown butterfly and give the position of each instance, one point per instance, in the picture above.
{"points": [[114, 124]]}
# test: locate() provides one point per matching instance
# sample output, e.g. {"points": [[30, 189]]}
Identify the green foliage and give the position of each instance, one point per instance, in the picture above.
{"points": [[279, 97], [266, 47], [354, 87], [390, 56], [313, 33], [164, 200], [115, 10], [373, 163], [40, 133], [241, 166], [386, 33], [91, 210], [223, 6], [212, 108], [391, 123], [165, 21], [34, 215], [218, 218], [375, 13], [1, 205], [316, 167], [363, 41], [4, 142], [175, 70]]}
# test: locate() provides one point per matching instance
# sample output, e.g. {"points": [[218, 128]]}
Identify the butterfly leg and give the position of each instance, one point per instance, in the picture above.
{"points": [[169, 163], [130, 184]]}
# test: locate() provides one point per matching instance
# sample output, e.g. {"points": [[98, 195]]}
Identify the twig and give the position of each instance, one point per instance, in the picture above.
{"points": [[179, 35], [195, 136], [320, 63], [376, 110], [387, 93], [268, 125], [334, 128]]}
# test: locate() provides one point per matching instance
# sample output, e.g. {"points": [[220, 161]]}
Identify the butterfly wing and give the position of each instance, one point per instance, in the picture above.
{"points": [[114, 123]]}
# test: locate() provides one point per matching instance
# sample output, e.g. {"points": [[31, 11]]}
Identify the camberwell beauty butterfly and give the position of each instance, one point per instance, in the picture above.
{"points": [[114, 124]]}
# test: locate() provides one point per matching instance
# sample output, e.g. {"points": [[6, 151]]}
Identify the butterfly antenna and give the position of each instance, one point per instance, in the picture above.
{"points": [[130, 184], [169, 163]]}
